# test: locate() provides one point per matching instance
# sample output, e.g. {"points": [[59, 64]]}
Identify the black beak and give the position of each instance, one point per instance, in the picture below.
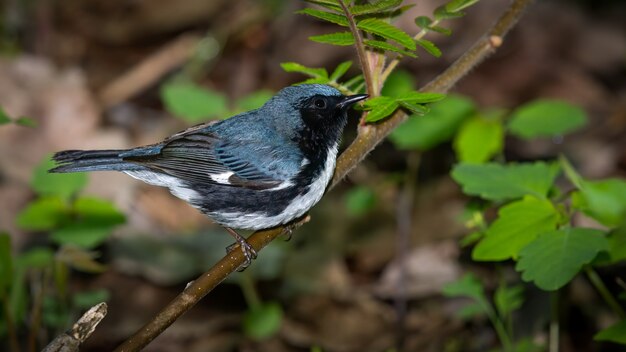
{"points": [[348, 101]]}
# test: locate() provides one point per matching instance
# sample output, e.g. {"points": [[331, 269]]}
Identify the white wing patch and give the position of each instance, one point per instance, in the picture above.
{"points": [[222, 178], [175, 186]]}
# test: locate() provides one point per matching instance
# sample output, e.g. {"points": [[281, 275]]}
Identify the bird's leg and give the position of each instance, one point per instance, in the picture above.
{"points": [[248, 252]]}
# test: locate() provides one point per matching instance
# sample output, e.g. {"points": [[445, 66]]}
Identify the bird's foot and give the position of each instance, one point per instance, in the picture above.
{"points": [[249, 252], [289, 228]]}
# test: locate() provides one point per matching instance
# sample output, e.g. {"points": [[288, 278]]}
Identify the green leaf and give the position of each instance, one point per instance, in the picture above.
{"points": [[326, 16], [546, 118], [309, 71], [423, 22], [4, 118], [375, 7], [26, 122], [339, 38], [377, 44], [328, 4], [94, 221], [441, 30], [263, 321], [518, 224], [45, 213], [341, 70], [387, 31], [62, 185], [502, 182], [80, 259], [479, 139], [437, 126], [467, 286], [420, 98], [429, 46], [615, 333], [414, 109], [442, 13], [471, 311], [379, 108], [88, 299], [617, 244], [360, 200], [508, 299], [192, 102], [398, 83], [566, 251], [6, 263], [254, 100], [458, 5], [603, 200]]}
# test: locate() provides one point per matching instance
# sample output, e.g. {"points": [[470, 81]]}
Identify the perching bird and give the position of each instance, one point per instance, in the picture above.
{"points": [[256, 170]]}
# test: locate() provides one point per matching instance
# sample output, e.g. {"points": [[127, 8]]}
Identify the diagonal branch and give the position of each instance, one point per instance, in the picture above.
{"points": [[368, 138]]}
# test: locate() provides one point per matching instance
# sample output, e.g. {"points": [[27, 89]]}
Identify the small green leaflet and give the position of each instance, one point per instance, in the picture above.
{"points": [[376, 7], [44, 213], [518, 224], [62, 185], [263, 321], [387, 31], [507, 299], [498, 182], [430, 47], [4, 118], [309, 71], [458, 5], [603, 200], [469, 286], [192, 102], [555, 257], [332, 5], [341, 70], [326, 16], [423, 22], [377, 44], [340, 38], [380, 107], [442, 13], [546, 118]]}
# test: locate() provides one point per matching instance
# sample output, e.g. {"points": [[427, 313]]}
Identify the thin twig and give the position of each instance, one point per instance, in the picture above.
{"points": [[368, 137], [360, 49]]}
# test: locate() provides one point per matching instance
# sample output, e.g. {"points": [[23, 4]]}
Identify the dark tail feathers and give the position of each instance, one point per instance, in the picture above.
{"points": [[91, 160]]}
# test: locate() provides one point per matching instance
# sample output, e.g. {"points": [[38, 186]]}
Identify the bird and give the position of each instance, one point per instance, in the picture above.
{"points": [[256, 170]]}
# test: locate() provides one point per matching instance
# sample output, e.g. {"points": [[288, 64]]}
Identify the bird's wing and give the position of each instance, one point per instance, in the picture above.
{"points": [[199, 156]]}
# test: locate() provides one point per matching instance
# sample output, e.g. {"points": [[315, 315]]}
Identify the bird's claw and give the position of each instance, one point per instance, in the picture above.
{"points": [[248, 251]]}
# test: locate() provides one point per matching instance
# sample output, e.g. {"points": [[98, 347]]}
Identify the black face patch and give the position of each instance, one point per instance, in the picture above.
{"points": [[320, 110]]}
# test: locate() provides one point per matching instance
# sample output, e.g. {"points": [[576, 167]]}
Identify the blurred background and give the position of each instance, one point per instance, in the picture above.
{"points": [[367, 272]]}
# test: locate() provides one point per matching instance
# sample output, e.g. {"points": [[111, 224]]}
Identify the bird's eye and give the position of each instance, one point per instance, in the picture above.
{"points": [[320, 103]]}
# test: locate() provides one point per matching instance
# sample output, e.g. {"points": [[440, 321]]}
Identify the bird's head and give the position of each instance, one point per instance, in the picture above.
{"points": [[318, 110]]}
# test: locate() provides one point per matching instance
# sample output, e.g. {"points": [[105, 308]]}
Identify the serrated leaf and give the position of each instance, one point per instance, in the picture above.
{"points": [[479, 139], [614, 333], [414, 109], [518, 224], [335, 18], [442, 13], [377, 44], [43, 214], [376, 7], [340, 70], [379, 108], [423, 22], [546, 118], [603, 200], [430, 47], [360, 200], [566, 251], [62, 185], [458, 5], [192, 102], [263, 321], [387, 31], [339, 38], [508, 299], [441, 30], [309, 71], [420, 98], [437, 126], [328, 4], [501, 182]]}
